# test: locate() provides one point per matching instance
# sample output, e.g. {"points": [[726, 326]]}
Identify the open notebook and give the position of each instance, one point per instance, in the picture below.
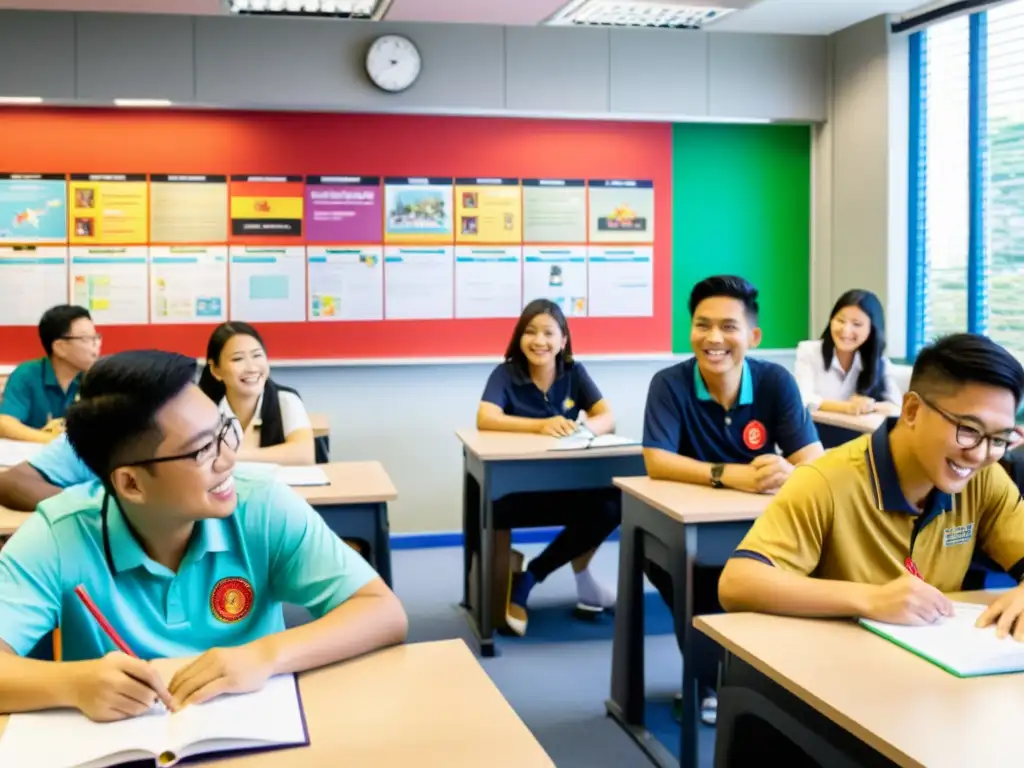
{"points": [[271, 718], [584, 438], [955, 644], [293, 476], [15, 451]]}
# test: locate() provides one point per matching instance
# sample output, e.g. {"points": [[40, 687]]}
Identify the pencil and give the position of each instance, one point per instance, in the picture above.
{"points": [[102, 621]]}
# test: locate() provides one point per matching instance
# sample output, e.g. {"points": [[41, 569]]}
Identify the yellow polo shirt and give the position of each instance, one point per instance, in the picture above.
{"points": [[844, 517]]}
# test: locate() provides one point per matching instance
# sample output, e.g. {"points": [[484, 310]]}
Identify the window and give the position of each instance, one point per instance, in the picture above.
{"points": [[1004, 201], [967, 178]]}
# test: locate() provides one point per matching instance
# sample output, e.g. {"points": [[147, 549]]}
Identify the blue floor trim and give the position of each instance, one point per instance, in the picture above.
{"points": [[432, 540]]}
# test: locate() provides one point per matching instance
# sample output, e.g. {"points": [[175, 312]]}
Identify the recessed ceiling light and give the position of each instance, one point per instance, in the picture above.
{"points": [[345, 9], [21, 99], [142, 102], [638, 13]]}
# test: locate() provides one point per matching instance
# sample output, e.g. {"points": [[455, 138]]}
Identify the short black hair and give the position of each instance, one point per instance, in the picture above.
{"points": [[729, 286], [56, 323], [114, 421], [966, 358]]}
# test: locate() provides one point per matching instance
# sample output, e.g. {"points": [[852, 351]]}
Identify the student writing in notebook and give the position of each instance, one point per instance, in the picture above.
{"points": [[881, 527], [717, 420], [39, 392], [180, 555], [541, 389], [846, 370], [276, 427]]}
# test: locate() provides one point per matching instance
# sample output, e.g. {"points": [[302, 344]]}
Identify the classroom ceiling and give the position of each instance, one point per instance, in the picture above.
{"points": [[804, 17]]}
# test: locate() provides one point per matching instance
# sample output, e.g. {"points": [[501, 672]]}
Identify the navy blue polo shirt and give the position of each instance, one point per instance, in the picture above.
{"points": [[515, 393], [682, 418]]}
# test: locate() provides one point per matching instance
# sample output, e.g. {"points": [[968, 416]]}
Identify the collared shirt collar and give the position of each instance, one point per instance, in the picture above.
{"points": [[210, 535], [886, 483], [746, 386], [521, 378], [855, 367], [50, 375]]}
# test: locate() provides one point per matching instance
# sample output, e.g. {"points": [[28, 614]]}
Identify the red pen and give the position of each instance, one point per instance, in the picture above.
{"points": [[911, 567], [102, 621]]}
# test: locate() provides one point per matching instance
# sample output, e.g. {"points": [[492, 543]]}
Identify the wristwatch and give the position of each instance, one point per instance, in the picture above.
{"points": [[716, 475]]}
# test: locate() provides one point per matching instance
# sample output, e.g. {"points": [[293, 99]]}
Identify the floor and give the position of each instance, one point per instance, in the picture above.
{"points": [[558, 677]]}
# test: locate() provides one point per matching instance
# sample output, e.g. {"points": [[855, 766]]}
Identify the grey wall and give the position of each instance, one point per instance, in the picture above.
{"points": [[860, 176], [307, 64]]}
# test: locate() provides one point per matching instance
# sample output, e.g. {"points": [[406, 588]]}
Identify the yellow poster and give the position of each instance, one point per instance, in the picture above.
{"points": [[248, 208], [488, 211], [108, 209]]}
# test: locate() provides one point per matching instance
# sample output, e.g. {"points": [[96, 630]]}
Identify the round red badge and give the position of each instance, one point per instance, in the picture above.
{"points": [[754, 435], [232, 598]]}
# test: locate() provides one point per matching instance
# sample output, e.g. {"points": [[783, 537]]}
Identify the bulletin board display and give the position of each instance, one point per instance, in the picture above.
{"points": [[340, 236]]}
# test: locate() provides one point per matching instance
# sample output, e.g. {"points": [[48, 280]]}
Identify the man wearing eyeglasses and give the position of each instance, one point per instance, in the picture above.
{"points": [[39, 392], [182, 555], [882, 526]]}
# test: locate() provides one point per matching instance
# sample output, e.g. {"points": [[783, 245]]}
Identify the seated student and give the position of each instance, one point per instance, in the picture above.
{"points": [[39, 392], [540, 388], [846, 370], [237, 377], [152, 544], [881, 527], [716, 419]]}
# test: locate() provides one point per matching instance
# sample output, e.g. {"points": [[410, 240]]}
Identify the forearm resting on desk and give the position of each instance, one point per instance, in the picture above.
{"points": [[22, 488], [749, 585], [662, 465], [12, 429], [373, 618], [297, 450], [27, 685], [492, 418]]}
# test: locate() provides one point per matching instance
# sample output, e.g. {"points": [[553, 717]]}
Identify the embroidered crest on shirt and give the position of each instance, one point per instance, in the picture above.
{"points": [[959, 534], [568, 403], [754, 435], [231, 599]]}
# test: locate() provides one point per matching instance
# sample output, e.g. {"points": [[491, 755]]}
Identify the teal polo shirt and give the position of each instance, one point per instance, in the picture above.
{"points": [[228, 591], [33, 395]]}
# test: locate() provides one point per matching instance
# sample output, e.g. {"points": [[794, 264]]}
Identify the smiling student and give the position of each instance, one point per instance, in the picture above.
{"points": [[276, 427], [717, 419], [541, 389], [39, 392], [883, 526], [846, 370], [160, 544]]}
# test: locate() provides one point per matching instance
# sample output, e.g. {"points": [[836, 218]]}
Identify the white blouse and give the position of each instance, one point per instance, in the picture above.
{"points": [[293, 417], [818, 383]]}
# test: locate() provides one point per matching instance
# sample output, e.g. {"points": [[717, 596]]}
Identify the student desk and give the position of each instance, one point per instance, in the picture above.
{"points": [[838, 428], [675, 525], [321, 427], [496, 464], [424, 704], [849, 698], [355, 506]]}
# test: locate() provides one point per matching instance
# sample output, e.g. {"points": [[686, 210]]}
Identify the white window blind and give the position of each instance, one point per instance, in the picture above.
{"points": [[1004, 209]]}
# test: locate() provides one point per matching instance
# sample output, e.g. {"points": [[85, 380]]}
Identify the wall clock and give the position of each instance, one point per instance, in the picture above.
{"points": [[393, 63]]}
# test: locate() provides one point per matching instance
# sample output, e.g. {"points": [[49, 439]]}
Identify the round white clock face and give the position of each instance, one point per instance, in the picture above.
{"points": [[393, 63]]}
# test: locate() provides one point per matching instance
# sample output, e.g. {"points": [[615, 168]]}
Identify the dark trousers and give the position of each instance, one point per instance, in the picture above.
{"points": [[706, 652], [589, 518]]}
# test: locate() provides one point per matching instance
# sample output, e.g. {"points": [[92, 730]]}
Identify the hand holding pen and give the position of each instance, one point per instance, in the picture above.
{"points": [[118, 686]]}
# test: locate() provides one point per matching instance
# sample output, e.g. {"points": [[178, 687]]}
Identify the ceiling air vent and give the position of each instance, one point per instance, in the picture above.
{"points": [[372, 10], [639, 13]]}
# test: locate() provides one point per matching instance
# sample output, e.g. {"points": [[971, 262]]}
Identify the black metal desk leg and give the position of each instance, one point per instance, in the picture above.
{"points": [[382, 546], [471, 503], [485, 571], [627, 701], [681, 569]]}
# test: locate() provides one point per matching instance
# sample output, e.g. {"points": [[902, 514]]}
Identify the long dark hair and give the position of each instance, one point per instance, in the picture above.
{"points": [[514, 353], [870, 383], [271, 425]]}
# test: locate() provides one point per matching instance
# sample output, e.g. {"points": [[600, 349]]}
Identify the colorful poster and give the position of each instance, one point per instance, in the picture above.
{"points": [[488, 211], [108, 209], [621, 211], [621, 281], [34, 278], [188, 283], [111, 283], [268, 284], [554, 211], [188, 209], [344, 209], [418, 283], [558, 274], [488, 281], [266, 207], [418, 210], [33, 208], [346, 282]]}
